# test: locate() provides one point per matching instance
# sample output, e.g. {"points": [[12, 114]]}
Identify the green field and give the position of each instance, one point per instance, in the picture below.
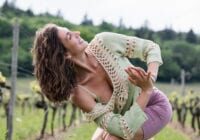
{"points": [[28, 125], [84, 132], [24, 125], [168, 88]]}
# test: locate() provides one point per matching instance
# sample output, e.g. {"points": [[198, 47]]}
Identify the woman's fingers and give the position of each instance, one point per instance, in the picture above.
{"points": [[149, 76], [141, 72], [112, 137], [143, 76], [135, 75], [139, 77], [138, 69], [132, 81], [131, 73]]}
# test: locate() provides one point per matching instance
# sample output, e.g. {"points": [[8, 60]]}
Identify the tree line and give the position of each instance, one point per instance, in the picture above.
{"points": [[180, 50]]}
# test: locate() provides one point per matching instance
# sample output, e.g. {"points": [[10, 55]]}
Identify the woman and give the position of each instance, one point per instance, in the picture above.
{"points": [[100, 80]]}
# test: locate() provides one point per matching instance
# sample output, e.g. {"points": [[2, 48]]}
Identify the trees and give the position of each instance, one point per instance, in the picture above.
{"points": [[191, 37], [86, 21], [179, 50]]}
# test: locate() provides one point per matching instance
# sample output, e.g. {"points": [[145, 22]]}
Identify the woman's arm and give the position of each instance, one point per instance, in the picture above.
{"points": [[140, 78], [153, 68], [131, 47], [122, 126], [133, 117]]}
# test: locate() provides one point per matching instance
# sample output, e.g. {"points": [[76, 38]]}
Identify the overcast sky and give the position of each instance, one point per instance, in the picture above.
{"points": [[180, 15]]}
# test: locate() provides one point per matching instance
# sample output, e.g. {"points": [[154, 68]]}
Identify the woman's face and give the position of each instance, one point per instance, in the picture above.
{"points": [[72, 41]]}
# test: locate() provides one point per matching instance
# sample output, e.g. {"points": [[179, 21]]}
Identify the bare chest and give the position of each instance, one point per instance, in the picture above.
{"points": [[100, 84]]}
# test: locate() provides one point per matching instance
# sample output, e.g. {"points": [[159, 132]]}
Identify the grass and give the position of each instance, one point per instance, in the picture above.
{"points": [[85, 131], [30, 124], [82, 132], [169, 88], [171, 134]]}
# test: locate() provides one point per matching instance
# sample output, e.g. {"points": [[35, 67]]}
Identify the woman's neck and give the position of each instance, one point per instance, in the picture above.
{"points": [[85, 64]]}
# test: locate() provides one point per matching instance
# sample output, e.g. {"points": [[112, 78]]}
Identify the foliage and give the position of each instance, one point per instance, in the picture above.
{"points": [[179, 50], [2, 78], [191, 37], [35, 87]]}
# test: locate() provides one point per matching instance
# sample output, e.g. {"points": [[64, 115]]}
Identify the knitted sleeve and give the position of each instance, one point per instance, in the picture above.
{"points": [[131, 47], [124, 126]]}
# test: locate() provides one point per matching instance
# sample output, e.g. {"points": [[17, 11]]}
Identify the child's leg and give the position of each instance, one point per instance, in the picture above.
{"points": [[159, 113]]}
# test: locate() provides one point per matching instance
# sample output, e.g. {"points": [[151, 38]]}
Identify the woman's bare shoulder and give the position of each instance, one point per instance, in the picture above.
{"points": [[75, 95]]}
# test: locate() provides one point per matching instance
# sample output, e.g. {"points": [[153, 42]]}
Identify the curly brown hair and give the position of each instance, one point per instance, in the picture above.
{"points": [[56, 74]]}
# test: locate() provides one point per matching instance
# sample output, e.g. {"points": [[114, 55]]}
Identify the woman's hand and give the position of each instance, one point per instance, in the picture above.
{"points": [[140, 78], [138, 136], [111, 137], [99, 134]]}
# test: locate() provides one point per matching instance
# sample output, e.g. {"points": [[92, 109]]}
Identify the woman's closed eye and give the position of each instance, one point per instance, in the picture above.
{"points": [[69, 35]]}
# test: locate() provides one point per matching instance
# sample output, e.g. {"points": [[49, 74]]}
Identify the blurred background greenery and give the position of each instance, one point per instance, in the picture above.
{"points": [[180, 50]]}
